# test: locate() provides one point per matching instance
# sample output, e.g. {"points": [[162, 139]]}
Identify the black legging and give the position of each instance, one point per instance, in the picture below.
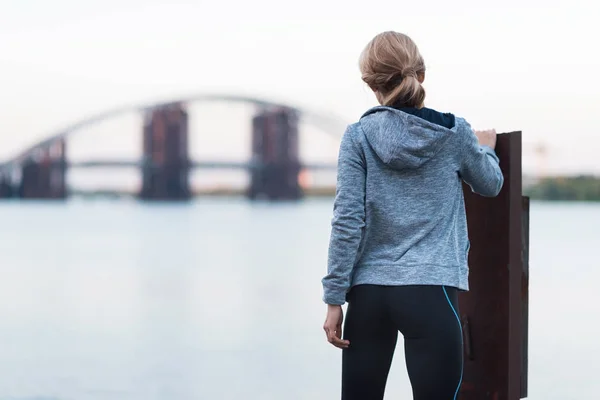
{"points": [[428, 318]]}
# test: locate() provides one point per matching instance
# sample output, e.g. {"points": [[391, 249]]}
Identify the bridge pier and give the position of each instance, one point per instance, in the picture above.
{"points": [[165, 174], [6, 188], [43, 174], [275, 155]]}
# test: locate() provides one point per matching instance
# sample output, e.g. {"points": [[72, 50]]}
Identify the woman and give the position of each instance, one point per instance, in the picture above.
{"points": [[399, 245]]}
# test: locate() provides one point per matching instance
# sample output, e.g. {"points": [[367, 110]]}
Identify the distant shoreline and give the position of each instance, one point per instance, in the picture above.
{"points": [[578, 188]]}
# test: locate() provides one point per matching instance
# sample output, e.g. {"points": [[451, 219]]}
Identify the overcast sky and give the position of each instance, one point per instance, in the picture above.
{"points": [[509, 66]]}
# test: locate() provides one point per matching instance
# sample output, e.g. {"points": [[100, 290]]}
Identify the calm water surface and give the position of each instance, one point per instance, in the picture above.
{"points": [[222, 300]]}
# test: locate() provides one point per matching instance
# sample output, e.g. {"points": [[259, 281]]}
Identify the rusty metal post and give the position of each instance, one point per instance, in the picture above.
{"points": [[525, 302], [494, 311]]}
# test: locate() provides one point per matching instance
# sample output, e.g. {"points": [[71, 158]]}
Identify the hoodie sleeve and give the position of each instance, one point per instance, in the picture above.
{"points": [[348, 221], [480, 167]]}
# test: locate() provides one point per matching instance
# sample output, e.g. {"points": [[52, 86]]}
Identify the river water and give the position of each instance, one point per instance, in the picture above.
{"points": [[221, 299]]}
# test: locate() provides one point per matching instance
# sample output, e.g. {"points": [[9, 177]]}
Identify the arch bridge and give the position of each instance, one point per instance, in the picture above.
{"points": [[39, 172]]}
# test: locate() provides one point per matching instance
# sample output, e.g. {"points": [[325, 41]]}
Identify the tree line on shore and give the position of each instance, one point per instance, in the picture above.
{"points": [[577, 188]]}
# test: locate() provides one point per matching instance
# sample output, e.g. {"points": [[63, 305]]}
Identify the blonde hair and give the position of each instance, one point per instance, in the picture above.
{"points": [[392, 65]]}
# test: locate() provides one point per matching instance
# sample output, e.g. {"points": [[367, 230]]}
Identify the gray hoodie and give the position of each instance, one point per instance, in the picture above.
{"points": [[399, 215]]}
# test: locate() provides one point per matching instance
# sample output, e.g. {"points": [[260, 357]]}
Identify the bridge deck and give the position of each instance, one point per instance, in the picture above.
{"points": [[193, 164]]}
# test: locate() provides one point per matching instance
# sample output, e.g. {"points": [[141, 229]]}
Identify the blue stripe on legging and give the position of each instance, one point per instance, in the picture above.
{"points": [[461, 338]]}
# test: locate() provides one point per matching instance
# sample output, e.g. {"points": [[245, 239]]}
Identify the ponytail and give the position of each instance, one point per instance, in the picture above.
{"points": [[391, 65]]}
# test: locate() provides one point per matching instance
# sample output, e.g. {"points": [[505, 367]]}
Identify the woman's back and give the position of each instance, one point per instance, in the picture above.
{"points": [[409, 219], [399, 242]]}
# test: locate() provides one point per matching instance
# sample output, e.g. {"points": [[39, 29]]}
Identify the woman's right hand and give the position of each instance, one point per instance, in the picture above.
{"points": [[487, 137], [333, 326]]}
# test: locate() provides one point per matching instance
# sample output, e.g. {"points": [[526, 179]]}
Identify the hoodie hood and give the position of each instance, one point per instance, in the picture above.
{"points": [[402, 140]]}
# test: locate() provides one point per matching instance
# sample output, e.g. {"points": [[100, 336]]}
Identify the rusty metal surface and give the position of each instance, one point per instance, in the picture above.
{"points": [[525, 300], [491, 311]]}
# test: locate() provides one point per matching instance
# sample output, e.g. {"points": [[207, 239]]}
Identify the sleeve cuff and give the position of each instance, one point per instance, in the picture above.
{"points": [[336, 299]]}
